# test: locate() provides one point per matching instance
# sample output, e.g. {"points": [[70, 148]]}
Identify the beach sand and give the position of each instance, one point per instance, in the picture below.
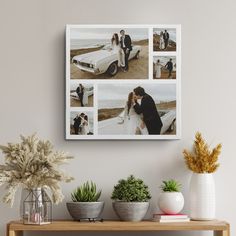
{"points": [[138, 69], [156, 43], [165, 74], [108, 113], [76, 103]]}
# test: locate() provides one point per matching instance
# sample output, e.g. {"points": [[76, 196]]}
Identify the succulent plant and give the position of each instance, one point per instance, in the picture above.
{"points": [[131, 190], [86, 193], [170, 186]]}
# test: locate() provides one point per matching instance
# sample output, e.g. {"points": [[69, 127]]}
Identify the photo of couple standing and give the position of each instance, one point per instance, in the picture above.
{"points": [[81, 123], [141, 110], [109, 53], [164, 67], [123, 46], [164, 39], [81, 94]]}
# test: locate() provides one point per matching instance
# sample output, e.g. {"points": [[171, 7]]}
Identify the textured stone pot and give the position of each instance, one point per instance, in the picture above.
{"points": [[130, 211], [171, 202], [85, 210]]}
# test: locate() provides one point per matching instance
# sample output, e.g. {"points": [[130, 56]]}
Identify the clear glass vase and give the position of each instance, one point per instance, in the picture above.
{"points": [[37, 207]]}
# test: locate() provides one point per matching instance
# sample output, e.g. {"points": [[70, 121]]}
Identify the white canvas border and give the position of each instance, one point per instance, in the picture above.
{"points": [[150, 80]]}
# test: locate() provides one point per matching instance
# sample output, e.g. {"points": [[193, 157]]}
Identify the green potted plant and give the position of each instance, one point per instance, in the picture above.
{"points": [[85, 202], [131, 199], [171, 200]]}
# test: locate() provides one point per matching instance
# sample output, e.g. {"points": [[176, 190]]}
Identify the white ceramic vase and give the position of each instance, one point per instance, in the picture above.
{"points": [[171, 202], [202, 197]]}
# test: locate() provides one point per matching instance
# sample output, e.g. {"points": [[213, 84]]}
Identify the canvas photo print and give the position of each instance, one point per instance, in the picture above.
{"points": [[164, 39], [123, 82], [136, 109], [164, 67], [81, 94], [109, 53]]}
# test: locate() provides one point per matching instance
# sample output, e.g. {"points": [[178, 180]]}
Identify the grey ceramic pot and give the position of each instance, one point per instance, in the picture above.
{"points": [[85, 210], [130, 211]]}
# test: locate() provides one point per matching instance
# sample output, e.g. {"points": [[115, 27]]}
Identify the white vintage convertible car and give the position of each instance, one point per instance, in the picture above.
{"points": [[113, 126], [102, 61]]}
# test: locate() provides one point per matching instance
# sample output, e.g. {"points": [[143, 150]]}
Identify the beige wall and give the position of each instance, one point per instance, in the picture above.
{"points": [[32, 91]]}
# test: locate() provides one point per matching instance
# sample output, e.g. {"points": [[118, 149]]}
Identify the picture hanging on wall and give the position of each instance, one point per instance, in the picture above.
{"points": [[123, 82]]}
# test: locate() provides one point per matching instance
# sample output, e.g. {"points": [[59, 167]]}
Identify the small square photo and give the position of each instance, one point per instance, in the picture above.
{"points": [[81, 94], [81, 123], [164, 67], [164, 39]]}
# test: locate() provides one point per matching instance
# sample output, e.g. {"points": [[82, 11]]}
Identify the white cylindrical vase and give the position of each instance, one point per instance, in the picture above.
{"points": [[202, 197]]}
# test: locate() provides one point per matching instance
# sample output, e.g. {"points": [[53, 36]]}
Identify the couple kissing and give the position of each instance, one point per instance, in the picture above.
{"points": [[141, 117]]}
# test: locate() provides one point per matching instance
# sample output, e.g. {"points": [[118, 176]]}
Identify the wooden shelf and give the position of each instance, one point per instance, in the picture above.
{"points": [[220, 228]]}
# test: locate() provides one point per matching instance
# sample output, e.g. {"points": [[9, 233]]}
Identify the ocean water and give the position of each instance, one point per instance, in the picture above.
{"points": [[88, 43], [111, 104]]}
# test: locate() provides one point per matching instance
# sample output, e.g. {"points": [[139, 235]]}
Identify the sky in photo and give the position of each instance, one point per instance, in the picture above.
{"points": [[159, 92], [172, 33], [74, 84], [106, 33]]}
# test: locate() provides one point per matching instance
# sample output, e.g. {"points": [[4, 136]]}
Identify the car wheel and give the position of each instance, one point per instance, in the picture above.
{"points": [[137, 55], [113, 69]]}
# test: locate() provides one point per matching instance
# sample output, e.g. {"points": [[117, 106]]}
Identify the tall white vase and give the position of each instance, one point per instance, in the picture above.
{"points": [[202, 197]]}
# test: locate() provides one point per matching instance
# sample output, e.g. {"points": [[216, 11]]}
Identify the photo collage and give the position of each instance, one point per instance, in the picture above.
{"points": [[123, 82]]}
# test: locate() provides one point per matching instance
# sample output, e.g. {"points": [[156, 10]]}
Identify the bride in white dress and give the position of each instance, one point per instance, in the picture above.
{"points": [[133, 123], [158, 67], [162, 43], [85, 98], [115, 44], [84, 124]]}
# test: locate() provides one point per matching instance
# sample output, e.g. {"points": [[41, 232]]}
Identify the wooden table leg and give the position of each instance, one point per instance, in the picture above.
{"points": [[15, 233], [223, 232]]}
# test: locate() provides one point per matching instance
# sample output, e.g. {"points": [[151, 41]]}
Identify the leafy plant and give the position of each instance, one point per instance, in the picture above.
{"points": [[202, 159], [170, 186], [86, 193], [32, 163], [131, 190]]}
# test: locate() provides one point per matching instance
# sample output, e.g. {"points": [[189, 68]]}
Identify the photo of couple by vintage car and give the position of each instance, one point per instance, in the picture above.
{"points": [[81, 95], [164, 67], [81, 123], [142, 110], [109, 53], [164, 40]]}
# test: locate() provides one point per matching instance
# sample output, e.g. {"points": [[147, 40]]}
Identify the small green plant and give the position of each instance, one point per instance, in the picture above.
{"points": [[86, 193], [131, 190], [170, 186]]}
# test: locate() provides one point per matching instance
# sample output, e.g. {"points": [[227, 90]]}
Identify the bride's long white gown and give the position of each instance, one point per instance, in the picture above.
{"points": [[162, 43], [120, 54], [85, 97], [158, 70], [132, 122], [84, 127]]}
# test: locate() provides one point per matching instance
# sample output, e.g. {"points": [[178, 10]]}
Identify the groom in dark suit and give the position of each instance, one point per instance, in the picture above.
{"points": [[126, 45], [148, 108], [166, 37]]}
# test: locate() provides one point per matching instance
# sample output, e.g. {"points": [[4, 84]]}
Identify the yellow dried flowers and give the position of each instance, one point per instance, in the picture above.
{"points": [[202, 160]]}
